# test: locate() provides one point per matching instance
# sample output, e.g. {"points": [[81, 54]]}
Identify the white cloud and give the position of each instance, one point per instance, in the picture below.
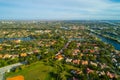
{"points": [[74, 9]]}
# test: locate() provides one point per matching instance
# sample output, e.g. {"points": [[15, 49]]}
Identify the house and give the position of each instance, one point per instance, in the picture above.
{"points": [[96, 47], [58, 53], [114, 60], [36, 51], [1, 56], [29, 53], [75, 72], [92, 51], [84, 62], [103, 66], [23, 54], [17, 41], [53, 42], [1, 48], [68, 60], [14, 56], [81, 54], [89, 70], [85, 51], [47, 45], [59, 57], [23, 49], [75, 52], [78, 44], [111, 75], [7, 56], [102, 73], [92, 63], [47, 31], [76, 61]]}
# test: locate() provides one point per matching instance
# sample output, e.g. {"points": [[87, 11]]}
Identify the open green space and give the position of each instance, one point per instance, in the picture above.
{"points": [[43, 71], [36, 71]]}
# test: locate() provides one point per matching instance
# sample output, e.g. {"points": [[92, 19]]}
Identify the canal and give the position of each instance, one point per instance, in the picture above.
{"points": [[22, 38], [110, 41]]}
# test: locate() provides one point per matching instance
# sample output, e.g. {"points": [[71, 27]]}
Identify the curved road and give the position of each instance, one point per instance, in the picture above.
{"points": [[7, 69]]}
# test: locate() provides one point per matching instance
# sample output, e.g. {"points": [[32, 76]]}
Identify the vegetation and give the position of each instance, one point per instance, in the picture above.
{"points": [[57, 50]]}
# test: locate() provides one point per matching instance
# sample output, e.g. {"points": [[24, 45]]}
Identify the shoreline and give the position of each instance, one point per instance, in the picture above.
{"points": [[107, 37]]}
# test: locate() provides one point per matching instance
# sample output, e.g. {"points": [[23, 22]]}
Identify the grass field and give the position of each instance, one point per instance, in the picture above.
{"points": [[36, 71], [42, 71]]}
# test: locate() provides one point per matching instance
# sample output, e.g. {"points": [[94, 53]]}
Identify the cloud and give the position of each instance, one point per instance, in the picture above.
{"points": [[60, 9]]}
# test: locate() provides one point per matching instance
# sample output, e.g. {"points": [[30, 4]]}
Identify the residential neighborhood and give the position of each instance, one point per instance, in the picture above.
{"points": [[71, 52]]}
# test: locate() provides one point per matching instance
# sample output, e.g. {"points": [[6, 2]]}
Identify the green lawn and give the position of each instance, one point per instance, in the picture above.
{"points": [[42, 71], [36, 71]]}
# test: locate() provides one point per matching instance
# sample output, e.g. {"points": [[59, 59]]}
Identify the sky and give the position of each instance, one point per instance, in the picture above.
{"points": [[60, 9]]}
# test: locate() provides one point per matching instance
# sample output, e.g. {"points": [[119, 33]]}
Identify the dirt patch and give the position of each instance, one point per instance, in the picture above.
{"points": [[16, 78]]}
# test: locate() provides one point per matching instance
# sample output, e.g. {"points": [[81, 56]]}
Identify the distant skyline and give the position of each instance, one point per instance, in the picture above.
{"points": [[60, 9]]}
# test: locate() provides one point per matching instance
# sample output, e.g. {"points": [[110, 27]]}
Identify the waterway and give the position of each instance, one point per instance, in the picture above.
{"points": [[110, 41], [22, 38], [107, 40]]}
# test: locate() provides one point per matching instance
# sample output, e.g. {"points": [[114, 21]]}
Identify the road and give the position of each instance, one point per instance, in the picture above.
{"points": [[65, 46], [7, 69]]}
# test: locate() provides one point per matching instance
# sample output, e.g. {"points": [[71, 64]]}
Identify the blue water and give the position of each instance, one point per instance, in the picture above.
{"points": [[22, 38], [110, 41]]}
